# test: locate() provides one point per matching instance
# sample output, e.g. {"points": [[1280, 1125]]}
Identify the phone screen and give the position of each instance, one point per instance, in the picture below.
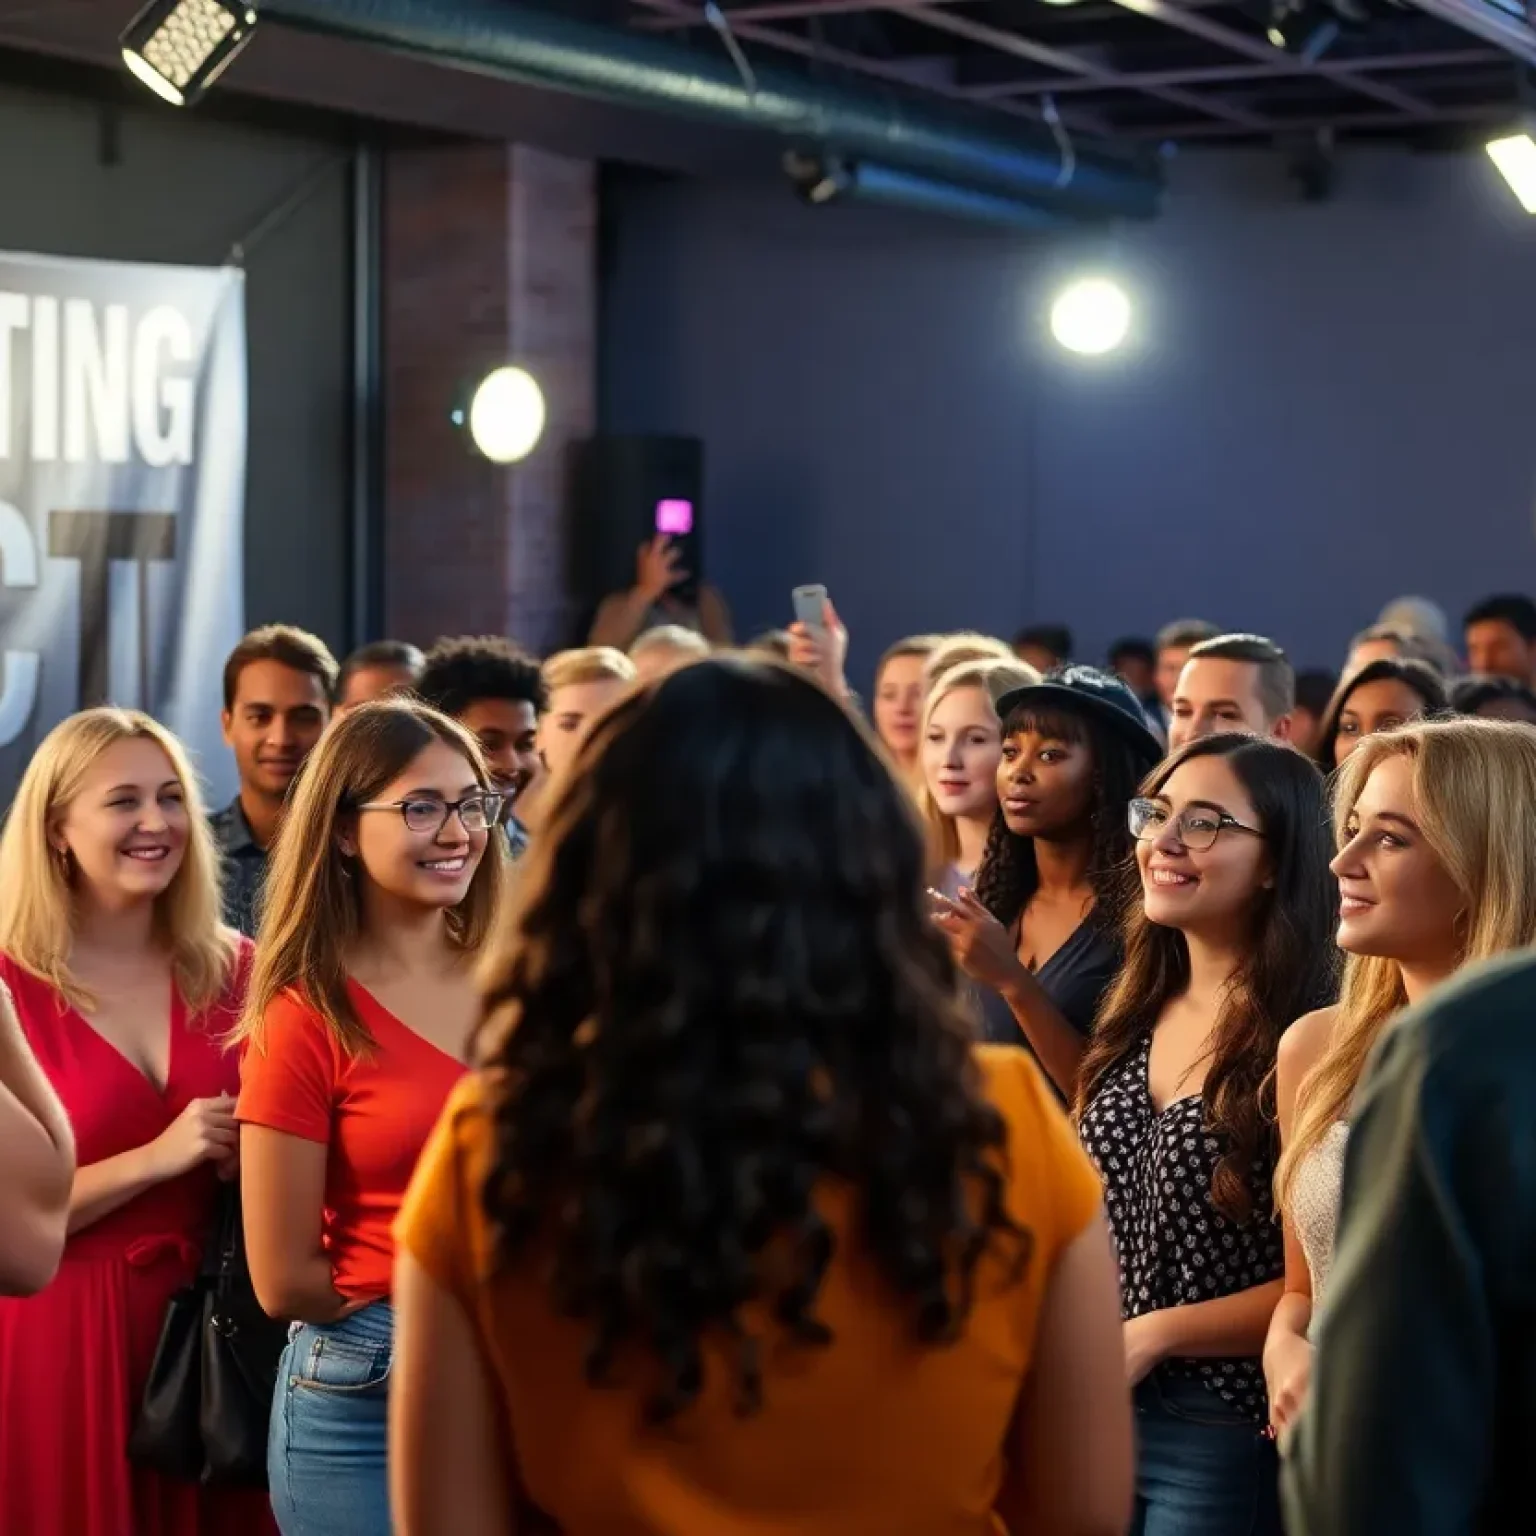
{"points": [[674, 516]]}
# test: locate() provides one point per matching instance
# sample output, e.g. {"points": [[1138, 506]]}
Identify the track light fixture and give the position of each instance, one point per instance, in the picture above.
{"points": [[178, 48]]}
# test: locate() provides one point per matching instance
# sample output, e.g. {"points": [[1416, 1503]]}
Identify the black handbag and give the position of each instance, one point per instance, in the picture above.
{"points": [[208, 1400]]}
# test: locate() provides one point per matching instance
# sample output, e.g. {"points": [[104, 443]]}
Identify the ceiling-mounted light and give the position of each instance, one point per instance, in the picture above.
{"points": [[1514, 153], [178, 48], [1091, 316], [505, 415], [819, 178]]}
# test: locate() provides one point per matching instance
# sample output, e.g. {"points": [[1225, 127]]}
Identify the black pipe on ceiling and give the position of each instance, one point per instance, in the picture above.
{"points": [[543, 48]]}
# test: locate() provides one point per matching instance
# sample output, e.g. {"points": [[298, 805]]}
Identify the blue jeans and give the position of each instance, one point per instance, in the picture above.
{"points": [[327, 1453], [1202, 1469]]}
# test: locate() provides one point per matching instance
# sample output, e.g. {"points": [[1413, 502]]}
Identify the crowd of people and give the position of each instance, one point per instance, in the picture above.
{"points": [[662, 1092]]}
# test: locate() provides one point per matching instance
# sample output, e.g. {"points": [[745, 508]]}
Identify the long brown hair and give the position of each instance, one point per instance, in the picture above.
{"points": [[1289, 969], [1474, 783], [37, 905], [311, 913]]}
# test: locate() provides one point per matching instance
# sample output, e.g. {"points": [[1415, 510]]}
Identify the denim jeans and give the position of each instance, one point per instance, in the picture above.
{"points": [[1202, 1469], [327, 1453]]}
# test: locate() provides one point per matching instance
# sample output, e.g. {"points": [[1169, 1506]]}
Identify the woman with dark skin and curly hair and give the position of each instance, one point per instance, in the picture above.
{"points": [[1230, 941], [1040, 934], [736, 1230]]}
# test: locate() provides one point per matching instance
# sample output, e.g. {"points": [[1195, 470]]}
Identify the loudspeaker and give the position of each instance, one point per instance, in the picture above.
{"points": [[623, 491]]}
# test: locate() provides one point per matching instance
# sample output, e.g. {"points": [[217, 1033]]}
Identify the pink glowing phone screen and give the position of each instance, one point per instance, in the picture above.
{"points": [[674, 517]]}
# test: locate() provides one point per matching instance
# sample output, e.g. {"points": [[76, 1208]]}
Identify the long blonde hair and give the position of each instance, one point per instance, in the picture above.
{"points": [[311, 914], [1474, 782], [994, 676], [37, 902]]}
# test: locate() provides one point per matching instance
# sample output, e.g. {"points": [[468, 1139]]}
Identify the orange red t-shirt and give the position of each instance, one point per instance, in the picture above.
{"points": [[873, 1435], [373, 1114]]}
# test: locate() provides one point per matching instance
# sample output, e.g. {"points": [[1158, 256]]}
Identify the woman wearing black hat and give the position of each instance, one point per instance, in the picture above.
{"points": [[1040, 934]]}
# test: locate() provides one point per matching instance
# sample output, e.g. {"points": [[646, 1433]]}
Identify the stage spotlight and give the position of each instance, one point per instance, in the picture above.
{"points": [[505, 415], [1091, 316], [1514, 154], [178, 48]]}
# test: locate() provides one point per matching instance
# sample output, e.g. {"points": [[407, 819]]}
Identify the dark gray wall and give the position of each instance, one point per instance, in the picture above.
{"points": [[185, 187], [1325, 405]]}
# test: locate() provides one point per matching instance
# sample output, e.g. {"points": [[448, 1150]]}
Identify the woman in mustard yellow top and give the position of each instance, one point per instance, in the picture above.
{"points": [[735, 1232]]}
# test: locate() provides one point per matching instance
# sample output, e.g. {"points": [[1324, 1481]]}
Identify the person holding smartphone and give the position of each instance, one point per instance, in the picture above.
{"points": [[659, 597]]}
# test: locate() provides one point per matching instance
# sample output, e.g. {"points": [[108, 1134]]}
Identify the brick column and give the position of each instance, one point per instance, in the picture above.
{"points": [[489, 257]]}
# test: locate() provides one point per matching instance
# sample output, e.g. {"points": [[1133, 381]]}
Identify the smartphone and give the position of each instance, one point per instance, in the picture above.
{"points": [[810, 606]]}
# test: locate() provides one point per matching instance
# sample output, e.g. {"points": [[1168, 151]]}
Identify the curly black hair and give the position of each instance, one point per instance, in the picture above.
{"points": [[1009, 877], [723, 988], [460, 671]]}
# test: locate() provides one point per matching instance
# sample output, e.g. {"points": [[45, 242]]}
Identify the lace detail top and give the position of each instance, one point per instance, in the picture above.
{"points": [[1315, 1204], [1175, 1247]]}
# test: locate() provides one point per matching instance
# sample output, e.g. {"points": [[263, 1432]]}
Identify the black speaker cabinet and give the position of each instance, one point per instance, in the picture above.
{"points": [[625, 490]]}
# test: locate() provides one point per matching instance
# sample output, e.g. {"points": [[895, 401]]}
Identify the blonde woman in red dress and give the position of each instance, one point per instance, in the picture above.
{"points": [[125, 983]]}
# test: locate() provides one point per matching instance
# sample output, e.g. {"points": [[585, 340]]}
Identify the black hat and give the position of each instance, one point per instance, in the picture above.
{"points": [[1093, 693]]}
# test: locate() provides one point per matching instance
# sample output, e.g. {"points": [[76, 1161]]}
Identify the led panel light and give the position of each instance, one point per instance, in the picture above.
{"points": [[1515, 157], [178, 48]]}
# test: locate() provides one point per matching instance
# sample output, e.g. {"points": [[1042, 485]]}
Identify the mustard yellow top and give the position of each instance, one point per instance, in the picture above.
{"points": [[875, 1434]]}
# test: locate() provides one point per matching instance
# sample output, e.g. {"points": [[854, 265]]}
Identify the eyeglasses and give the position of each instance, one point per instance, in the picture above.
{"points": [[476, 813], [1196, 828]]}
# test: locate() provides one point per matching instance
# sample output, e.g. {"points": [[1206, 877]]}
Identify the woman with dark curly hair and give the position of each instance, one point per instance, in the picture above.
{"points": [[1231, 941], [736, 1231], [1381, 696], [1040, 933]]}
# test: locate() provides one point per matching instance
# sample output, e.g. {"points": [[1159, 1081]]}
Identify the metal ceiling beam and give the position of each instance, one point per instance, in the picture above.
{"points": [[679, 13], [1069, 63], [1484, 21], [1227, 74], [1476, 112], [781, 10], [1214, 32]]}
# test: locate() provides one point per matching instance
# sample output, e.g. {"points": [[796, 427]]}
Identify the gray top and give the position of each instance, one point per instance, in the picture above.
{"points": [[245, 867]]}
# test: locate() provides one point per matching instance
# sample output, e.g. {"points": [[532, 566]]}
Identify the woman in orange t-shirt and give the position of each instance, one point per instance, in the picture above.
{"points": [[736, 1232], [384, 881]]}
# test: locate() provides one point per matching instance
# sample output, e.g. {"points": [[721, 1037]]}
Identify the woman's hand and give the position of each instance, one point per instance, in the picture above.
{"points": [[204, 1132], [822, 651], [1144, 1346], [982, 947], [1287, 1374]]}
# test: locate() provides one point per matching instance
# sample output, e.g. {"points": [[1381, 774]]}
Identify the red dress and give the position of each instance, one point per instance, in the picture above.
{"points": [[73, 1359]]}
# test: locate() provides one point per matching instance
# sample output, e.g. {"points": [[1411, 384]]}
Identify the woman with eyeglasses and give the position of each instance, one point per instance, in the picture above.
{"points": [[1230, 942], [1039, 935], [385, 881], [1381, 696], [1436, 869]]}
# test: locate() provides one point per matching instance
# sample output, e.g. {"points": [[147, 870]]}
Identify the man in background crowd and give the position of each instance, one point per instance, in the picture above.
{"points": [[376, 671], [1233, 683], [1173, 644], [495, 690], [278, 686], [1314, 692], [1134, 661], [1044, 646], [1500, 634], [666, 648]]}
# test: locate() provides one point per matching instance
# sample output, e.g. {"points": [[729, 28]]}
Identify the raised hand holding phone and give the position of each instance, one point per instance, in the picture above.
{"points": [[817, 639]]}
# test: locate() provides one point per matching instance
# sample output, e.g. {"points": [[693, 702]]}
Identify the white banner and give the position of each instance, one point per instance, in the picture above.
{"points": [[122, 488]]}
